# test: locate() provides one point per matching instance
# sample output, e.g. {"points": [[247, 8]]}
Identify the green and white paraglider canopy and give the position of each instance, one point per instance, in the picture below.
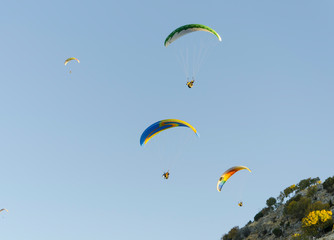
{"points": [[181, 31]]}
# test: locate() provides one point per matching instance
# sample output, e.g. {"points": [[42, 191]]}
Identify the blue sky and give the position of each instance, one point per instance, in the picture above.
{"points": [[72, 167]]}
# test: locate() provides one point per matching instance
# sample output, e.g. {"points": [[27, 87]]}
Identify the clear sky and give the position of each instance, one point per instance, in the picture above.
{"points": [[72, 166]]}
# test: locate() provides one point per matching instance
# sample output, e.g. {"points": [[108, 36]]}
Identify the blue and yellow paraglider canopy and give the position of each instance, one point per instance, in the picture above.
{"points": [[162, 125]]}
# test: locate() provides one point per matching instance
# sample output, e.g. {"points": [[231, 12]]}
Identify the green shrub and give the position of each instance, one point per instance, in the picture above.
{"points": [[258, 216], [265, 211], [246, 232], [305, 183], [270, 202], [289, 190], [317, 206], [311, 191], [329, 184], [281, 197], [295, 198], [225, 237], [233, 234], [277, 232], [296, 209]]}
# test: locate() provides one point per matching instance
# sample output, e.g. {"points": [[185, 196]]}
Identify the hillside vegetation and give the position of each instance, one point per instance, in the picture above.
{"points": [[300, 212]]}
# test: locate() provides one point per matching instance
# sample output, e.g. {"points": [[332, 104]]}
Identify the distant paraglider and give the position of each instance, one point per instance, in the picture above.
{"points": [[70, 59], [4, 209], [166, 175], [227, 174], [190, 84]]}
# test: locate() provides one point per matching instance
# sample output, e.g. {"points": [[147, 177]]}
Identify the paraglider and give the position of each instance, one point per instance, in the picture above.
{"points": [[70, 59], [162, 125], [183, 30], [227, 174], [191, 83], [4, 209], [191, 51], [166, 175]]}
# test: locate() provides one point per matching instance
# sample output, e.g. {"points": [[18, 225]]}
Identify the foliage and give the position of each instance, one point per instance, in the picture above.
{"points": [[233, 234], [295, 198], [305, 183], [224, 237], [298, 236], [329, 184], [296, 209], [270, 202], [311, 191], [317, 206], [277, 232], [317, 222], [281, 197], [265, 211], [258, 216], [289, 190], [246, 232]]}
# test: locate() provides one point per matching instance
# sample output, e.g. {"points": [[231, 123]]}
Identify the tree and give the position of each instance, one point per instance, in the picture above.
{"points": [[270, 202], [329, 184], [277, 232], [289, 190]]}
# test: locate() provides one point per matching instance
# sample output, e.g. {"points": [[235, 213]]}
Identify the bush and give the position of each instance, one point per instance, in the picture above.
{"points": [[329, 184], [317, 206], [246, 232], [296, 198], [289, 190], [311, 191], [277, 232], [317, 223], [298, 236], [305, 183], [296, 209], [258, 216], [225, 237], [270, 202], [281, 197], [265, 211], [233, 234]]}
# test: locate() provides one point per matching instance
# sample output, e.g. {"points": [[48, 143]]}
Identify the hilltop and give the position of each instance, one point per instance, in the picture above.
{"points": [[302, 211]]}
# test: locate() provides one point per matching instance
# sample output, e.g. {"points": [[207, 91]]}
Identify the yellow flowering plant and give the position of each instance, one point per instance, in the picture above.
{"points": [[316, 222]]}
